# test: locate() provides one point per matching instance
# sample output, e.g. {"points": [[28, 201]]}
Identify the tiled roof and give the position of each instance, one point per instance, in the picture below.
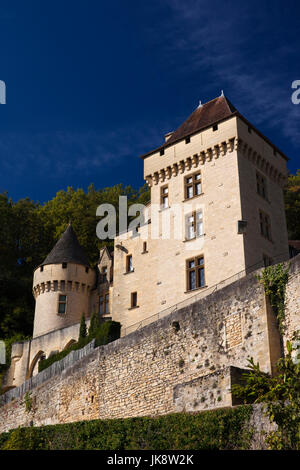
{"points": [[203, 116], [67, 250]]}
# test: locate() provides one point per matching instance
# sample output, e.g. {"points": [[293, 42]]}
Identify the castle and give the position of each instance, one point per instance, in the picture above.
{"points": [[226, 180]]}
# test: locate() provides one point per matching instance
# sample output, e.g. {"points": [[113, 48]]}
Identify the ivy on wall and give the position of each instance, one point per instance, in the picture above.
{"points": [[274, 279]]}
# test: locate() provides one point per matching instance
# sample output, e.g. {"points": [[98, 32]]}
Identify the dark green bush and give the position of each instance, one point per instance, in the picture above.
{"points": [[107, 332], [226, 428], [104, 334]]}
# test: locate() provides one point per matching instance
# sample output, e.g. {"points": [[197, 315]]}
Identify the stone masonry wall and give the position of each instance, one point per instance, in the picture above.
{"points": [[139, 374], [209, 391], [136, 375], [292, 308]]}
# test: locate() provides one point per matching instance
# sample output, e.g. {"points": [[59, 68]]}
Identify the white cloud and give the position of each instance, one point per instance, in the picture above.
{"points": [[231, 42]]}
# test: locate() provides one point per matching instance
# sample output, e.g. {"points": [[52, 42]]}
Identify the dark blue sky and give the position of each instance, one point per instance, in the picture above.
{"points": [[93, 84]]}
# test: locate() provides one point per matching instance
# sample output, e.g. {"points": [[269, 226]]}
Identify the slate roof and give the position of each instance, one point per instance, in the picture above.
{"points": [[67, 250]]}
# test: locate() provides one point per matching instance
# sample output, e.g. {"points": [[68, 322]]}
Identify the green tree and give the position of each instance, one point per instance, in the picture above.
{"points": [[94, 325], [281, 395], [28, 233], [292, 206], [82, 329]]}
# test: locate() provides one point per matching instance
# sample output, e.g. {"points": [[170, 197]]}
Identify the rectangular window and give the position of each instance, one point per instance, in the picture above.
{"points": [[267, 261], [62, 304], [129, 265], [261, 185], [215, 127], [104, 303], [62, 285], [144, 247], [265, 225], [187, 140], [195, 273], [192, 185], [194, 225], [133, 299], [164, 196], [64, 265], [162, 152]]}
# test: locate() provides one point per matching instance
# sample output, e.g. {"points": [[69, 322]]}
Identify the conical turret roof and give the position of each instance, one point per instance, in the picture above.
{"points": [[67, 250]]}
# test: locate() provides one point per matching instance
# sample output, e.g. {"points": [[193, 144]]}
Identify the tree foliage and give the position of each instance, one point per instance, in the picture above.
{"points": [[28, 233], [82, 329], [292, 206], [281, 395], [275, 279]]}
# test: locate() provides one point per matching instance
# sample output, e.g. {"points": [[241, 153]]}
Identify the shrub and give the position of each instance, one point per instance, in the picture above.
{"points": [[82, 329], [280, 394], [226, 428], [106, 333]]}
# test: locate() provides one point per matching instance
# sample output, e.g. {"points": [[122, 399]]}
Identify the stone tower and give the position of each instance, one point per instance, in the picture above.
{"points": [[62, 286]]}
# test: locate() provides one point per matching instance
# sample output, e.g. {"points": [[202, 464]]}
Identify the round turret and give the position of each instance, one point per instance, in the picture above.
{"points": [[62, 285]]}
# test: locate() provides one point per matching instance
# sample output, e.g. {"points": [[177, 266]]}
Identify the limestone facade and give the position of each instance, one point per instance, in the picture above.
{"points": [[216, 214]]}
